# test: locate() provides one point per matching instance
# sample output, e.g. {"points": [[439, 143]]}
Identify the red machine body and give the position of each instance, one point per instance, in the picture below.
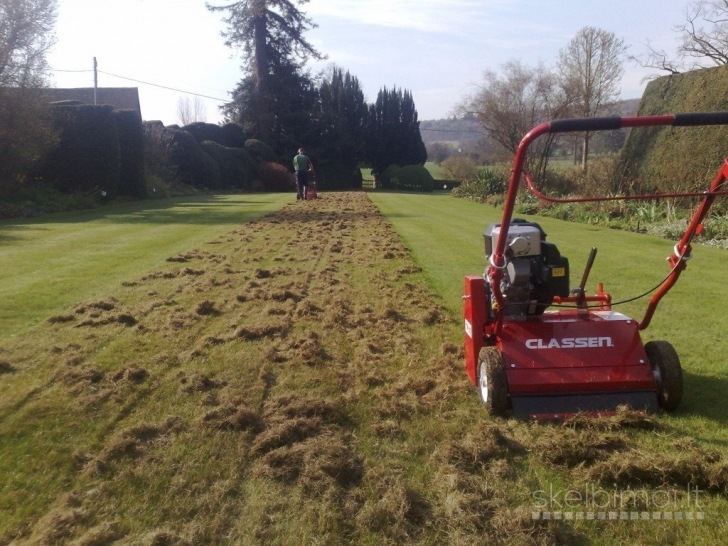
{"points": [[311, 189], [533, 361]]}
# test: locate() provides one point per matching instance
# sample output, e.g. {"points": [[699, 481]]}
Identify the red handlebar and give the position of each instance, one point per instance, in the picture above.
{"points": [[682, 249]]}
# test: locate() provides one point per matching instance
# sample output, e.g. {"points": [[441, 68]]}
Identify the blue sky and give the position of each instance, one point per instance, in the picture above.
{"points": [[438, 49]]}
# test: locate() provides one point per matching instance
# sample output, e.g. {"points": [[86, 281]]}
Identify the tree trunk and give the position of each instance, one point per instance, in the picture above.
{"points": [[585, 153]]}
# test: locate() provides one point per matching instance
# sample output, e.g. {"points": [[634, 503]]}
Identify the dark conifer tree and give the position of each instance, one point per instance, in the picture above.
{"points": [[271, 35], [394, 131]]}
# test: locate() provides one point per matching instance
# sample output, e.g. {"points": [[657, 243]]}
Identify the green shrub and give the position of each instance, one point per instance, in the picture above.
{"points": [[271, 176], [487, 182], [235, 164]]}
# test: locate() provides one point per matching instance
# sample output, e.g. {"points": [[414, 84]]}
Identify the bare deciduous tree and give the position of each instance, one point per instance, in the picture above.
{"points": [[26, 35], [591, 69], [191, 111], [703, 40], [512, 102], [704, 35]]}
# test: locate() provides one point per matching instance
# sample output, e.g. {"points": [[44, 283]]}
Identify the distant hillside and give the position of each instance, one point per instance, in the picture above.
{"points": [[451, 130], [460, 132]]}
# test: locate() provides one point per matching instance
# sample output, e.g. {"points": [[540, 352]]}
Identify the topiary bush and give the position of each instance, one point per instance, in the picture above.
{"points": [[206, 131], [260, 150], [191, 164], [235, 164]]}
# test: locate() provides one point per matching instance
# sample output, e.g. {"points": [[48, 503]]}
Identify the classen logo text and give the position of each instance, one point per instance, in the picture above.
{"points": [[570, 343]]}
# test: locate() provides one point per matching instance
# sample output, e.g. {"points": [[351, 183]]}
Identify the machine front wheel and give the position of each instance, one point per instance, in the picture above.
{"points": [[492, 382], [668, 373]]}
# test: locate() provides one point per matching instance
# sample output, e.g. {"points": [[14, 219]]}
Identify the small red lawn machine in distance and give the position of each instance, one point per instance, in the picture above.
{"points": [[581, 356], [311, 188]]}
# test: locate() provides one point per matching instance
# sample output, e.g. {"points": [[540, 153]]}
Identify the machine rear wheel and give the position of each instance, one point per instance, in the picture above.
{"points": [[492, 382], [668, 373]]}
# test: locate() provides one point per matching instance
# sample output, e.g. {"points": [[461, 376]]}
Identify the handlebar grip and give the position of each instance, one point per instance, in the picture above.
{"points": [[701, 118], [585, 124]]}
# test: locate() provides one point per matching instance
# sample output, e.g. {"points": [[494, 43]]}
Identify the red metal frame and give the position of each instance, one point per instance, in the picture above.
{"points": [[682, 249], [587, 358]]}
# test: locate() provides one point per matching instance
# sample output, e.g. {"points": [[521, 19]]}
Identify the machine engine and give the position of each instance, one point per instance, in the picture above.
{"points": [[535, 271]]}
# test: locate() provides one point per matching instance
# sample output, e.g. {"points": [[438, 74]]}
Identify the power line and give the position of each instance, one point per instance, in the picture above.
{"points": [[164, 87], [148, 83]]}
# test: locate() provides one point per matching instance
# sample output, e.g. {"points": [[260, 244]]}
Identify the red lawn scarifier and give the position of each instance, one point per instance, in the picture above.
{"points": [[581, 356]]}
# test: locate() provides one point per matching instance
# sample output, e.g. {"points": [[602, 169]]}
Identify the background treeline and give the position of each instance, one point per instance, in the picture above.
{"points": [[96, 153]]}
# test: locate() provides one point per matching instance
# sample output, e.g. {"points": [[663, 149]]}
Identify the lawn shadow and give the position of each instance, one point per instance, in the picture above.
{"points": [[705, 395], [197, 209]]}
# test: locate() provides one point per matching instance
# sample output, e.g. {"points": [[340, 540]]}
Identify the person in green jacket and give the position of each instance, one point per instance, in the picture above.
{"points": [[302, 165]]}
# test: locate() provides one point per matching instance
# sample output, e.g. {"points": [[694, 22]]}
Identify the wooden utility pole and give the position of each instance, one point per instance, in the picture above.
{"points": [[96, 82]]}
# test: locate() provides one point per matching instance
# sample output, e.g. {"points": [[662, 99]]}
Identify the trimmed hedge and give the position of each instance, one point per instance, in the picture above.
{"points": [[87, 156], [131, 154], [680, 158], [409, 178]]}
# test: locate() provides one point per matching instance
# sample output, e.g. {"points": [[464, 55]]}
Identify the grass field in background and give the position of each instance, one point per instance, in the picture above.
{"points": [[51, 261]]}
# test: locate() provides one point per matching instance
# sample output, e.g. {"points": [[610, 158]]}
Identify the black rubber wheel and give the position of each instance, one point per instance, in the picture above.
{"points": [[668, 373], [492, 382]]}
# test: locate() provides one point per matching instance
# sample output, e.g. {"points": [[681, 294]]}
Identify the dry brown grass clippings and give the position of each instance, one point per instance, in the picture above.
{"points": [[625, 418], [307, 309], [197, 383], [100, 535], [680, 465], [206, 307], [565, 447], [132, 374], [477, 449], [133, 443], [285, 433], [235, 416], [262, 331], [58, 526], [394, 508], [387, 429], [181, 258]]}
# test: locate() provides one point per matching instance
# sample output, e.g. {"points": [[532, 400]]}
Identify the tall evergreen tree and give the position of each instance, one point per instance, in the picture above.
{"points": [[342, 122], [271, 35], [394, 131]]}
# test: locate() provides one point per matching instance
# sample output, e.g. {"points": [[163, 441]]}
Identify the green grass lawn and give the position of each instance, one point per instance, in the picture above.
{"points": [[293, 380], [52, 261]]}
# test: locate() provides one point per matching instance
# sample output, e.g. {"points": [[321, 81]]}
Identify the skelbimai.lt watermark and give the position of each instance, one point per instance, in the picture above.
{"points": [[593, 502]]}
